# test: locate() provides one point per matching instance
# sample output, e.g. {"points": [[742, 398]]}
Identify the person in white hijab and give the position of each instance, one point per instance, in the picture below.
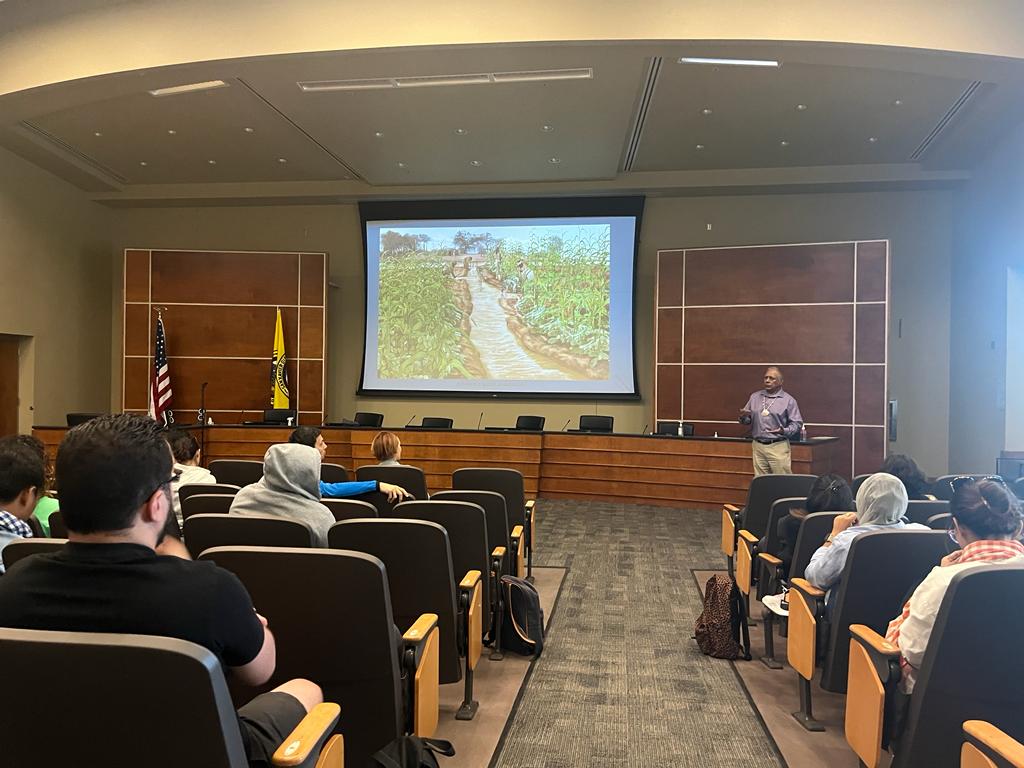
{"points": [[290, 487], [881, 503]]}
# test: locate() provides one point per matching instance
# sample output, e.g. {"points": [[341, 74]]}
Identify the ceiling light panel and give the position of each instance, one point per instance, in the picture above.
{"points": [[428, 81], [729, 62], [175, 90]]}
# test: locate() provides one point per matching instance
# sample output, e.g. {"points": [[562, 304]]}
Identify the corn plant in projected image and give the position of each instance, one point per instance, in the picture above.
{"points": [[420, 322]]}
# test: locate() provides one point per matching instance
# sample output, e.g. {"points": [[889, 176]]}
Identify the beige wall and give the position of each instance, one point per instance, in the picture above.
{"points": [[917, 223], [54, 246]]}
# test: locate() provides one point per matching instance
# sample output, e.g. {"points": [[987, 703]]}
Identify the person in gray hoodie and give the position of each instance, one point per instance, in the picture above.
{"points": [[290, 487]]}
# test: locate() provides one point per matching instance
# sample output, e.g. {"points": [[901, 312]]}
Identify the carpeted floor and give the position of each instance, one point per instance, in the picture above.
{"points": [[621, 682]]}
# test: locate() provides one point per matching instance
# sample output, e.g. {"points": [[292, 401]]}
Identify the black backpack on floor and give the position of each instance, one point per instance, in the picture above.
{"points": [[522, 630]]}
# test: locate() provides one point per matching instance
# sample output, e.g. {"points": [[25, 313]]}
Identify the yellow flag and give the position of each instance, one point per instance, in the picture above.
{"points": [[278, 370]]}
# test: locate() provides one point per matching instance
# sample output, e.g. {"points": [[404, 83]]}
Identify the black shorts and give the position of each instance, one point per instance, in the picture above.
{"points": [[266, 722]]}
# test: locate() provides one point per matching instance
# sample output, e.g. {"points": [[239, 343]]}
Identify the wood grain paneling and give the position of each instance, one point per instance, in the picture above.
{"points": [[869, 450], [311, 281], [870, 333], [136, 383], [770, 275], [669, 382], [670, 279], [823, 392], [136, 275], [225, 278], [311, 382], [227, 331], [871, 400], [843, 451], [724, 429], [136, 329], [803, 334], [311, 332], [670, 337], [233, 384], [871, 267]]}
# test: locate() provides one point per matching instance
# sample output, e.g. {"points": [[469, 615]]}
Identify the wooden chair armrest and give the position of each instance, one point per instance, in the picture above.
{"points": [[421, 654], [873, 641], [469, 580], [517, 532], [874, 671], [471, 606], [418, 632], [519, 545], [498, 553], [745, 534], [994, 740], [731, 508], [805, 586], [770, 559], [298, 745], [530, 503]]}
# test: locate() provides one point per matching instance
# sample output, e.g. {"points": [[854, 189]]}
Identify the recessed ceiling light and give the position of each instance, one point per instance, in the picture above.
{"points": [[401, 164], [378, 134], [706, 111], [554, 160], [207, 85], [461, 131], [801, 107], [699, 147], [171, 131], [250, 130], [872, 139], [143, 163], [282, 159], [97, 134], [784, 143], [547, 128], [729, 62], [897, 102], [212, 162], [475, 163]]}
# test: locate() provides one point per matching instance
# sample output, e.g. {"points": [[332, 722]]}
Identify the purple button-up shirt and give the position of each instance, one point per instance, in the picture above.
{"points": [[782, 412]]}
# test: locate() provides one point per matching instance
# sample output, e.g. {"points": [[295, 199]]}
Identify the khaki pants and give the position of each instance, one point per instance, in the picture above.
{"points": [[771, 459]]}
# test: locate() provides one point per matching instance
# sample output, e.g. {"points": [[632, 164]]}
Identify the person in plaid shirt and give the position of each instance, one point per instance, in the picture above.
{"points": [[986, 524]]}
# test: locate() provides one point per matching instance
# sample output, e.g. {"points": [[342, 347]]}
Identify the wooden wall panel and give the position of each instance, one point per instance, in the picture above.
{"points": [[136, 275], [670, 279], [137, 339], [136, 383], [670, 337], [234, 385], [871, 398], [765, 334], [311, 380], [311, 332], [311, 279], [778, 274], [869, 449], [226, 331], [218, 277], [870, 333], [872, 263], [670, 379]]}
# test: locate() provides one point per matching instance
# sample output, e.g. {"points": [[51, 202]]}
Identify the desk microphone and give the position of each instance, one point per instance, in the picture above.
{"points": [[410, 420], [644, 432], [480, 421], [201, 416], [565, 425]]}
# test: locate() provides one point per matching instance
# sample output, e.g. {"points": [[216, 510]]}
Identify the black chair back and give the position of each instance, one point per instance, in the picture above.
{"points": [[507, 482], [466, 525], [971, 670], [19, 549], [203, 532], [330, 612], [368, 419], [436, 422], [673, 428], [35, 526], [74, 419], [206, 489], [103, 678], [530, 423], [418, 560], [493, 505], [240, 472], [410, 478], [278, 415], [920, 511], [943, 490], [594, 423], [813, 530], [764, 491], [349, 509], [333, 473], [1017, 486], [58, 529], [940, 522], [779, 509], [206, 504], [882, 568], [858, 481]]}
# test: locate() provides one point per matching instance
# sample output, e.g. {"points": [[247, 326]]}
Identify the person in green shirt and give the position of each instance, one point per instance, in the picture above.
{"points": [[46, 505]]}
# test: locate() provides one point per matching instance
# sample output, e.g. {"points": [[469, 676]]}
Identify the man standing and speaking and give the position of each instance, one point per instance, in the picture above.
{"points": [[775, 419]]}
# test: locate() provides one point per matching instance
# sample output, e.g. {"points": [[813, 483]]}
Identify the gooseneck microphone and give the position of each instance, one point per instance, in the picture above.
{"points": [[201, 416], [644, 432], [410, 420], [480, 421], [565, 425]]}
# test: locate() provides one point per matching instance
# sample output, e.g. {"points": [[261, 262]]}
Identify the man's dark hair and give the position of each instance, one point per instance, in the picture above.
{"points": [[20, 468], [830, 493], [905, 468], [304, 436], [107, 468], [183, 444]]}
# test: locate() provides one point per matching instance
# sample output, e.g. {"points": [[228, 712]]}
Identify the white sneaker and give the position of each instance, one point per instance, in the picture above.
{"points": [[774, 604]]}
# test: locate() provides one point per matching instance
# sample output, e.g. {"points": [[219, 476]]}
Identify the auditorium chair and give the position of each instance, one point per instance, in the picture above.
{"points": [[530, 423], [35, 526], [764, 491], [882, 567], [858, 481], [466, 525], [349, 509], [206, 489], [332, 619], [369, 419], [509, 483], [972, 670], [498, 531], [1017, 486], [774, 577], [58, 529], [594, 423], [410, 478], [418, 559], [206, 504], [333, 473], [436, 422], [19, 549], [134, 700], [942, 486], [748, 549], [985, 746], [240, 472], [941, 522], [920, 511], [75, 419], [274, 417], [674, 428], [203, 532]]}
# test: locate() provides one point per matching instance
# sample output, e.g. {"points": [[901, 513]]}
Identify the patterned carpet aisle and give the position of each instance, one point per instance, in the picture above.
{"points": [[620, 682]]}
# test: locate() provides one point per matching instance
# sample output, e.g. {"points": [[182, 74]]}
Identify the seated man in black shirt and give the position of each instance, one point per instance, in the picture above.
{"points": [[114, 475]]}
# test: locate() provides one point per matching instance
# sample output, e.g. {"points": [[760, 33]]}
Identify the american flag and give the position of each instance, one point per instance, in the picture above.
{"points": [[160, 387]]}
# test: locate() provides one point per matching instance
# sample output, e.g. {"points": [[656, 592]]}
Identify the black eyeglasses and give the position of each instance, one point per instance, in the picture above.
{"points": [[165, 484], [960, 481]]}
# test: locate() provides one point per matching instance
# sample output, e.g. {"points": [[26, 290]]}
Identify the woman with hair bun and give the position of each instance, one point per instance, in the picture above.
{"points": [[986, 522]]}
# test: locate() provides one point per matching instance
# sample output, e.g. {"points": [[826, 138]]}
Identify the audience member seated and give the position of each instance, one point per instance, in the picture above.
{"points": [[986, 520], [881, 502], [387, 449], [830, 493], [914, 480], [46, 505], [22, 478], [187, 471], [115, 475], [312, 437]]}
